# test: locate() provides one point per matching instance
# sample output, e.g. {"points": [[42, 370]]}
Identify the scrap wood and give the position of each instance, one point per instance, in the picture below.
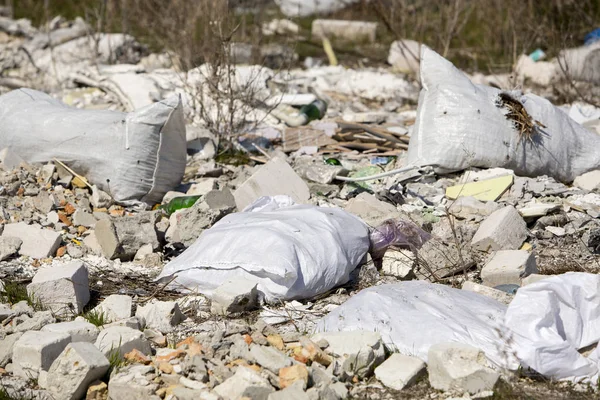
{"points": [[83, 180], [295, 138], [381, 133]]}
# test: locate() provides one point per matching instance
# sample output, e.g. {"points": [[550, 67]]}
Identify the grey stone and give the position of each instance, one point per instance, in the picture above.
{"points": [[320, 173], [115, 307], [122, 237], [292, 392], [35, 351], [80, 331], [36, 322], [9, 246], [234, 296], [160, 315], [131, 383], [457, 366], [269, 357], [100, 199], [63, 289], [504, 229], [273, 178], [508, 267], [245, 383], [185, 226], [220, 199], [400, 371], [36, 241], [492, 293], [122, 339], [74, 370], [371, 210], [6, 348], [83, 218]]}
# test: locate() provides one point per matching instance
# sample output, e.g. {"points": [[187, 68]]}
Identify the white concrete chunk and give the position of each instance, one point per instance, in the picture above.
{"points": [[351, 342], [160, 315], [35, 351], [504, 229], [123, 340], [399, 371], [492, 293], [202, 187], [80, 331], [115, 307], [235, 295], [508, 267], [457, 366], [6, 348], [273, 178], [37, 242], [398, 263], [63, 289], [74, 370], [84, 218], [371, 210], [588, 181], [245, 383]]}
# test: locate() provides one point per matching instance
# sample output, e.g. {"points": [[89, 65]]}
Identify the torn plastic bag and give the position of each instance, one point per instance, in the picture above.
{"points": [[135, 156], [412, 316], [396, 232], [290, 251], [554, 318], [461, 125]]}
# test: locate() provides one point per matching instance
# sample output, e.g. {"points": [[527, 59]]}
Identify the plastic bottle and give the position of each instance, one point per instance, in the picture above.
{"points": [[179, 203]]}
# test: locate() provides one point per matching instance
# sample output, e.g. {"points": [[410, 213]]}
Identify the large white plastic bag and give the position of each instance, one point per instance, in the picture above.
{"points": [[291, 252], [552, 319], [135, 156], [459, 125], [412, 316]]}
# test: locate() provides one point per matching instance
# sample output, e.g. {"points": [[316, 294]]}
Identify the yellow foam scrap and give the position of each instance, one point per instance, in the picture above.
{"points": [[526, 246], [487, 190]]}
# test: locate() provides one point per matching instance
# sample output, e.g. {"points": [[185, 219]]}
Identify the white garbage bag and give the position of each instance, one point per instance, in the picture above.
{"points": [[290, 251], [304, 8], [134, 157], [412, 316], [554, 318], [460, 125]]}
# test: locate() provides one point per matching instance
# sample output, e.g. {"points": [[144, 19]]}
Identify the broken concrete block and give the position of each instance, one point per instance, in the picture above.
{"points": [[36, 351], [160, 315], [371, 210], [273, 178], [398, 263], [115, 307], [36, 322], [269, 357], [185, 226], [100, 199], [37, 242], [457, 366], [83, 218], [123, 237], [63, 289], [74, 370], [588, 181], [351, 31], [492, 293], [469, 208], [320, 173], [245, 383], [508, 267], [202, 187], [9, 246], [486, 190], [131, 383], [400, 371], [80, 331], [6, 347], [220, 199], [504, 229], [294, 391], [234, 296], [91, 244], [438, 259], [122, 339], [361, 351], [290, 375]]}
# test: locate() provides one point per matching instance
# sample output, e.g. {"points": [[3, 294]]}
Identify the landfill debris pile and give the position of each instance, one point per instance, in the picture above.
{"points": [[348, 245]]}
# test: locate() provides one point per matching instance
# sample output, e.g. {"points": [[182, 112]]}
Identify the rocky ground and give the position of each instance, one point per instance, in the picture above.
{"points": [[82, 316]]}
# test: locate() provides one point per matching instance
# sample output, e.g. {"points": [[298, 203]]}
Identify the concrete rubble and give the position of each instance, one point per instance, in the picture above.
{"points": [[82, 313]]}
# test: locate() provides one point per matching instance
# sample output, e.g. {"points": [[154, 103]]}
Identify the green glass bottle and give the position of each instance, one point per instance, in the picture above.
{"points": [[314, 110], [179, 203]]}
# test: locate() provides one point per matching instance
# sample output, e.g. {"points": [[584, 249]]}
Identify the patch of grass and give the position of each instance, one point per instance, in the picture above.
{"points": [[15, 292], [97, 318], [5, 394], [115, 360], [232, 157]]}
